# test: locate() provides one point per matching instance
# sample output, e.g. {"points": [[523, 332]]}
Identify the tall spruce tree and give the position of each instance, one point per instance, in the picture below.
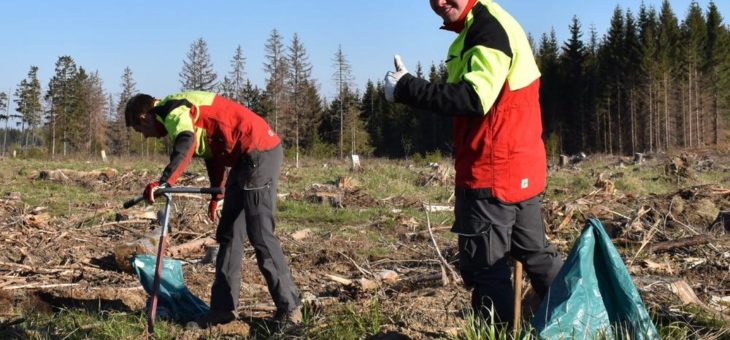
{"points": [[613, 59], [4, 115], [596, 132], [299, 76], [276, 70], [717, 68], [28, 104], [573, 63], [632, 56], [550, 91], [254, 99], [690, 61], [666, 54], [94, 105], [649, 77], [121, 136], [233, 84], [198, 73], [60, 97], [369, 115], [343, 79]]}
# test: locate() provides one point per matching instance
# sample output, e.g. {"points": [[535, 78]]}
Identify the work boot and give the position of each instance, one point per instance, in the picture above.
{"points": [[211, 319], [286, 321]]}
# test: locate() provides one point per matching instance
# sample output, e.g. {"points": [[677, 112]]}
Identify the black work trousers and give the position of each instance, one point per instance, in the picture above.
{"points": [[248, 211], [489, 232]]}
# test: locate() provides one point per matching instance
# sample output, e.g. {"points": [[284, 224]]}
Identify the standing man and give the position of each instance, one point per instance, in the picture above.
{"points": [[492, 92], [226, 134]]}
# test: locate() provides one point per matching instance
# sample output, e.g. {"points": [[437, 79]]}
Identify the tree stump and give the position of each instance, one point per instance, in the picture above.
{"points": [[722, 221], [564, 160], [638, 158]]}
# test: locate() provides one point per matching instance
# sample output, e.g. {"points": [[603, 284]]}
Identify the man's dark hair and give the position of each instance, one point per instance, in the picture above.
{"points": [[137, 105]]}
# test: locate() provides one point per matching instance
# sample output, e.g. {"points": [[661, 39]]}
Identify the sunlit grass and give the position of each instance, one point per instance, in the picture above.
{"points": [[82, 324]]}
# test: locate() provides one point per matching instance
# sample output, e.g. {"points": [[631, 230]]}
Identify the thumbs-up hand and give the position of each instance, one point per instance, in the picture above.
{"points": [[391, 78]]}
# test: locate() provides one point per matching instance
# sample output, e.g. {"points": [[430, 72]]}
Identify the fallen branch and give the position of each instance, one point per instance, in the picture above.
{"points": [[40, 286], [192, 246], [361, 269], [120, 223], [444, 264], [681, 243], [690, 229], [339, 279]]}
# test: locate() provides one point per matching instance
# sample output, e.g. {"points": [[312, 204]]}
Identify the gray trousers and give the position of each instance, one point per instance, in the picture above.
{"points": [[248, 211], [489, 232]]}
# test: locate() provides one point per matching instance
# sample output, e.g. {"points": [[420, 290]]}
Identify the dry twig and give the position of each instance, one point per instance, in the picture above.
{"points": [[444, 264]]}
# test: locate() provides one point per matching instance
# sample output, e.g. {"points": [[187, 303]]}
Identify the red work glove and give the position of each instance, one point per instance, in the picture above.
{"points": [[213, 206], [149, 191]]}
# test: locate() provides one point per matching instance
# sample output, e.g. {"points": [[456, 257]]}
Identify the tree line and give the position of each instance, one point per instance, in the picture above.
{"points": [[651, 83]]}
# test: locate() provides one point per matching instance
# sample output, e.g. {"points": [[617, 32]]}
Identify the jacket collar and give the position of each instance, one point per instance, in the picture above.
{"points": [[458, 25]]}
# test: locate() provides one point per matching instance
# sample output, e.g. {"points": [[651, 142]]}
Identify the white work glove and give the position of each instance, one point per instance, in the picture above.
{"points": [[391, 78]]}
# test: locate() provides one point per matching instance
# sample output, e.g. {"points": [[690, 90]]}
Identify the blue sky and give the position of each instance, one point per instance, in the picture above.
{"points": [[153, 37]]}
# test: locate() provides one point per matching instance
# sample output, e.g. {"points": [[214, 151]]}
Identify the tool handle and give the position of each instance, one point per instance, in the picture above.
{"points": [[174, 190]]}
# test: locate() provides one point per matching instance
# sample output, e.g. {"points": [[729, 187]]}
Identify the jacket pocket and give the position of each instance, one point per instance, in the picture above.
{"points": [[253, 177], [470, 227]]}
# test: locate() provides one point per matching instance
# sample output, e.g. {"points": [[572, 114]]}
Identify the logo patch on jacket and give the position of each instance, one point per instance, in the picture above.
{"points": [[524, 184]]}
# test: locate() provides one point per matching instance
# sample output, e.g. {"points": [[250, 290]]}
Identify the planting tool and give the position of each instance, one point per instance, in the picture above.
{"points": [[516, 322], [164, 222]]}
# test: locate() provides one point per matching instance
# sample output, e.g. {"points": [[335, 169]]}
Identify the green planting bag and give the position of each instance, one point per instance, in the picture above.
{"points": [[593, 296], [174, 301]]}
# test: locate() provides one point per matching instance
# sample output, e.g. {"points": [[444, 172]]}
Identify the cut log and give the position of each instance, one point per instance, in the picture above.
{"points": [[685, 293], [136, 214], [63, 175], [681, 243], [191, 247]]}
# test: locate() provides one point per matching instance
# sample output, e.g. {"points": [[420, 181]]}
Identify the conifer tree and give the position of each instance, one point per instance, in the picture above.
{"points": [[343, 80], [572, 62], [94, 105], [666, 53], [717, 68], [4, 115], [632, 56], [233, 84], [121, 136], [254, 99], [61, 100], [28, 104], [691, 54], [298, 79], [649, 77], [613, 59], [550, 91], [276, 70], [197, 73]]}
